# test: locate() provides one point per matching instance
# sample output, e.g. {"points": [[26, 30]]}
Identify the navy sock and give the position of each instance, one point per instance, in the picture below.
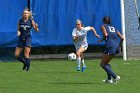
{"points": [[21, 59], [109, 76], [28, 63], [108, 70], [109, 65]]}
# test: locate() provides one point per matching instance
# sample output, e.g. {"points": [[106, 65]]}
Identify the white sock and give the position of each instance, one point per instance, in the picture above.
{"points": [[83, 62], [78, 61]]}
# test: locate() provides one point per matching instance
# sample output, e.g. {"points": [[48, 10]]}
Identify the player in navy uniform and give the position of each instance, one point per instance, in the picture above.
{"points": [[112, 47], [24, 27]]}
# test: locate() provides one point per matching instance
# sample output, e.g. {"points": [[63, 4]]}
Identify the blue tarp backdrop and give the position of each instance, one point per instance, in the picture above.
{"points": [[56, 19], [10, 13]]}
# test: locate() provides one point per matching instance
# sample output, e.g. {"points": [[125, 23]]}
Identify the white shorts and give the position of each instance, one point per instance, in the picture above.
{"points": [[84, 46]]}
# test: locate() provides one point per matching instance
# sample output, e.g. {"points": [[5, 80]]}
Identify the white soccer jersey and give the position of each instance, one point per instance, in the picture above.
{"points": [[82, 36]]}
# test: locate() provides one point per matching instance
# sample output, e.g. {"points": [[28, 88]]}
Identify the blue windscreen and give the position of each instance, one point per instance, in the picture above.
{"points": [[10, 13], [56, 19]]}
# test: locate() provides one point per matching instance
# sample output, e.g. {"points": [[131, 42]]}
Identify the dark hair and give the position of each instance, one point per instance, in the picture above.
{"points": [[106, 20]]}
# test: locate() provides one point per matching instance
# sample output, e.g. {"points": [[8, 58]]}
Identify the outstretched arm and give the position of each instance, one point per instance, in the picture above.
{"points": [[94, 31], [104, 32]]}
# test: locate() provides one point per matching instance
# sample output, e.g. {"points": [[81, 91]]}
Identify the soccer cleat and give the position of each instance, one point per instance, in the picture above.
{"points": [[108, 81], [27, 69], [28, 64], [83, 68], [116, 80], [24, 66], [78, 69]]}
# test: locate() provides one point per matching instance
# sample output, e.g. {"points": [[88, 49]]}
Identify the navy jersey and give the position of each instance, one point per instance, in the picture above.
{"points": [[25, 27], [112, 38]]}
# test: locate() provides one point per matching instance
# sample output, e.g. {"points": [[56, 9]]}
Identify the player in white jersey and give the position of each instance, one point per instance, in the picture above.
{"points": [[79, 35]]}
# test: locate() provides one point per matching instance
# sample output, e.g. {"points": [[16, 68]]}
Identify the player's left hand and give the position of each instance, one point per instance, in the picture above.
{"points": [[98, 36], [36, 25]]}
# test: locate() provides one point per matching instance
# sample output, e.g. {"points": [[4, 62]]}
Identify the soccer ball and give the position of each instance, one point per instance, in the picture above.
{"points": [[72, 56]]}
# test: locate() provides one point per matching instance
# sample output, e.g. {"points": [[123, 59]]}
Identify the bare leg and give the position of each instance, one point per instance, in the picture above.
{"points": [[21, 59], [18, 51]]}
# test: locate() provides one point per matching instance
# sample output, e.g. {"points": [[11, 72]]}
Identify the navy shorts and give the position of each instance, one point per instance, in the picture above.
{"points": [[112, 50], [24, 42]]}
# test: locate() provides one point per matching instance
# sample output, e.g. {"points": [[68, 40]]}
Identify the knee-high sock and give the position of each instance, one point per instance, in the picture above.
{"points": [[109, 65], [78, 61], [21, 59], [108, 70], [28, 63], [83, 62], [109, 76]]}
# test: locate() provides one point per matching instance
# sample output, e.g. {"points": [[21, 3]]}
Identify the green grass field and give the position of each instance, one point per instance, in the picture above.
{"points": [[62, 77]]}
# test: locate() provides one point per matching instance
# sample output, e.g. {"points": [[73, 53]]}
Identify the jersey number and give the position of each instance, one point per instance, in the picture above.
{"points": [[111, 29], [24, 27]]}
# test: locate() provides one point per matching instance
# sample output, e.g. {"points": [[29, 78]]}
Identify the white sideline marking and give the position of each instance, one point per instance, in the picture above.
{"points": [[126, 63]]}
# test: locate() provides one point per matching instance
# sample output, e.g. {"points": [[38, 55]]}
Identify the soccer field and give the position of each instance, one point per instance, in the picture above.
{"points": [[62, 77]]}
